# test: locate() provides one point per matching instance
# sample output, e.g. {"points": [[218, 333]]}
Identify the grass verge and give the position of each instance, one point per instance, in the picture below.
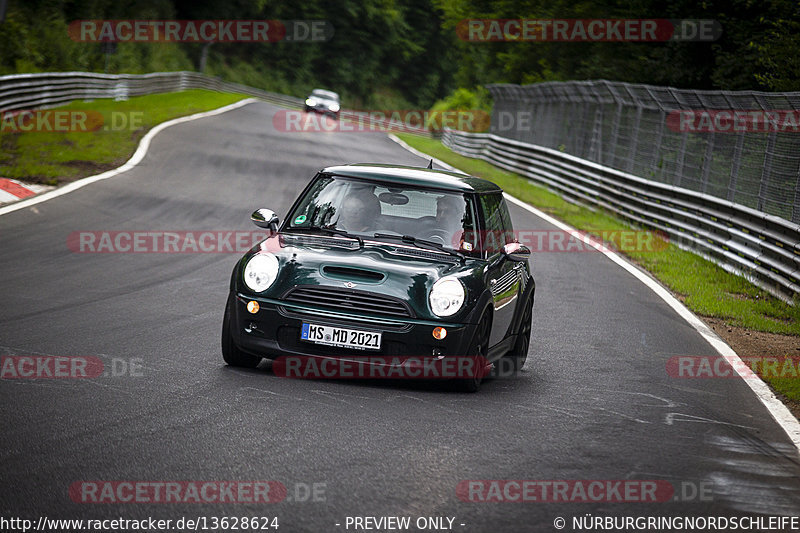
{"points": [[57, 157], [737, 307]]}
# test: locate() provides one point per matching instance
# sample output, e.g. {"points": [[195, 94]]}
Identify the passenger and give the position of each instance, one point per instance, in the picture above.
{"points": [[450, 213], [448, 226]]}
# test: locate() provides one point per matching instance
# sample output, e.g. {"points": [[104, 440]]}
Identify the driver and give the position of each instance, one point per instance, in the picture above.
{"points": [[359, 213]]}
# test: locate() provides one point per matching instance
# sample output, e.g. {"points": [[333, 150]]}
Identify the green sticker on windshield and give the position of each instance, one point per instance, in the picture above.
{"points": [[300, 219]]}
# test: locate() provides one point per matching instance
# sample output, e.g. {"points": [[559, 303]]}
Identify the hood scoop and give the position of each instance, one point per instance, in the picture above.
{"points": [[353, 274]]}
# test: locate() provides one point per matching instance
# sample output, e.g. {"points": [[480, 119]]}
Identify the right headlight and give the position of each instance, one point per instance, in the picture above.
{"points": [[260, 271], [310, 102], [446, 297]]}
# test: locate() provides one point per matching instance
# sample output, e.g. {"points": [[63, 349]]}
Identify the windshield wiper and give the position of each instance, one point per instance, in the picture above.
{"points": [[334, 231], [420, 243]]}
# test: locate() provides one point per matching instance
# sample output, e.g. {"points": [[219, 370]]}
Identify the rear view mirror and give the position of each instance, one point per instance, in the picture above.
{"points": [[515, 251], [265, 218]]}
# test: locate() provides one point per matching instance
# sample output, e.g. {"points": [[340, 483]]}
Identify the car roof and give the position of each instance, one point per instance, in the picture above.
{"points": [[415, 176]]}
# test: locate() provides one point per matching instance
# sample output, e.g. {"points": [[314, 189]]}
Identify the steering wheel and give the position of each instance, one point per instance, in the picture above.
{"points": [[442, 236]]}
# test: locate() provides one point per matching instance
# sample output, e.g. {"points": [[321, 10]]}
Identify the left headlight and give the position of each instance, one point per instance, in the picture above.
{"points": [[446, 297], [335, 107], [311, 102], [261, 271]]}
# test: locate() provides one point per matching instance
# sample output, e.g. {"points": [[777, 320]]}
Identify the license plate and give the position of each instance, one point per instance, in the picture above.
{"points": [[341, 337]]}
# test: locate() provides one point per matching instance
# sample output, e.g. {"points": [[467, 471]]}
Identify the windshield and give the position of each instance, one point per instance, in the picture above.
{"points": [[327, 95], [365, 208]]}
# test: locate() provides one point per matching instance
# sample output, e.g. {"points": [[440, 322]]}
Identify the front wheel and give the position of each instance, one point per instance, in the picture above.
{"points": [[481, 346], [230, 353], [519, 354]]}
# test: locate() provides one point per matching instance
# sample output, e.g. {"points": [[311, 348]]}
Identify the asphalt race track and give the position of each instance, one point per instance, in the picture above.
{"points": [[595, 401]]}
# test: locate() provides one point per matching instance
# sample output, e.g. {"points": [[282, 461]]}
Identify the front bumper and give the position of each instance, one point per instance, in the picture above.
{"points": [[274, 331], [322, 109]]}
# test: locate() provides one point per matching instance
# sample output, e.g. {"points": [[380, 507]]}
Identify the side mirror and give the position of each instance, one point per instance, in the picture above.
{"points": [[265, 218], [515, 251]]}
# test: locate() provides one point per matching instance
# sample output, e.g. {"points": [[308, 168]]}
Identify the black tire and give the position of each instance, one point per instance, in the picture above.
{"points": [[481, 346], [519, 353], [230, 353]]}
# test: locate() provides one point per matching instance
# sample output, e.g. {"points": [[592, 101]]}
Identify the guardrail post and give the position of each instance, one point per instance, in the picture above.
{"points": [[615, 134], [584, 131], [681, 159], [120, 91], [596, 147], [735, 166], [657, 146], [634, 146], [707, 157], [766, 169]]}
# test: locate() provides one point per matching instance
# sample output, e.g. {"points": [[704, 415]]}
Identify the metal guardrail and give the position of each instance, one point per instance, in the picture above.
{"points": [[741, 146], [29, 91], [763, 248]]}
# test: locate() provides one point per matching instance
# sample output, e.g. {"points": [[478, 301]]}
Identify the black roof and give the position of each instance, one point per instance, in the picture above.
{"points": [[416, 176]]}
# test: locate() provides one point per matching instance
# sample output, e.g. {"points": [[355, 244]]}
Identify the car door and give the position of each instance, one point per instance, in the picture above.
{"points": [[504, 278]]}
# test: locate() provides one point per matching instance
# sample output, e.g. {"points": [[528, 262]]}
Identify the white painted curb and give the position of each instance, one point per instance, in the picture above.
{"points": [[135, 159]]}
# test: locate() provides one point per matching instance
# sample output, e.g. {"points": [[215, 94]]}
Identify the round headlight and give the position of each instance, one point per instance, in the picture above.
{"points": [[311, 102], [261, 271], [334, 107], [446, 297]]}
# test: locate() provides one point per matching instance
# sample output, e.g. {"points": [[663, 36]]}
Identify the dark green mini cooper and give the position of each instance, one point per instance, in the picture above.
{"points": [[378, 266]]}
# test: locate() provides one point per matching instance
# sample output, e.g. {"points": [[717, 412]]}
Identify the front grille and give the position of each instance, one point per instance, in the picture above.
{"points": [[347, 300], [427, 254], [347, 321], [317, 240]]}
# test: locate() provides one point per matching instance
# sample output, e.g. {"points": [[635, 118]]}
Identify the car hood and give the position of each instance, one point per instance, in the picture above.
{"points": [[400, 272]]}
